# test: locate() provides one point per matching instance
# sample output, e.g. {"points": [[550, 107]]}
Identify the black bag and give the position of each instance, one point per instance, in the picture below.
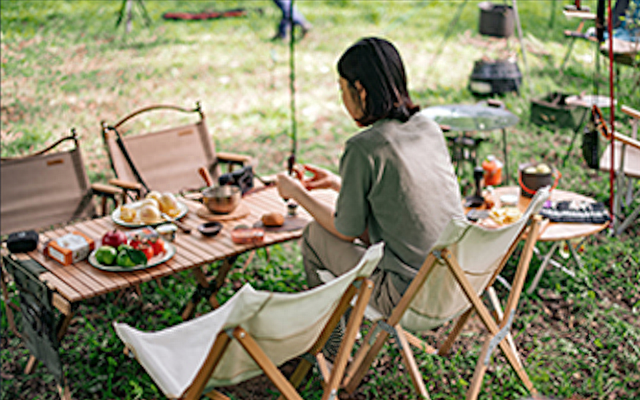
{"points": [[38, 325], [22, 242], [243, 178], [591, 144]]}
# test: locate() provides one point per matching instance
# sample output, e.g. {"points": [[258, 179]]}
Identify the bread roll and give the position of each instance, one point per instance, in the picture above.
{"points": [[273, 219]]}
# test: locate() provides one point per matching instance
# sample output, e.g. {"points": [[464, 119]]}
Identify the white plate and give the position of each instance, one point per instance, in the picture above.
{"points": [[115, 216], [169, 252]]}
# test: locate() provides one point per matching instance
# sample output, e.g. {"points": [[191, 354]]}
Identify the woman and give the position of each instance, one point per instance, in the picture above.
{"points": [[396, 181]]}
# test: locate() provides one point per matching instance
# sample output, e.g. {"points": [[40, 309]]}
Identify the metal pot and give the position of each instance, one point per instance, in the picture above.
{"points": [[221, 199]]}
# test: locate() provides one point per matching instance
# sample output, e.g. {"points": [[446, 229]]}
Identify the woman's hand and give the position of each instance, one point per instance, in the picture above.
{"points": [[321, 179], [289, 187]]}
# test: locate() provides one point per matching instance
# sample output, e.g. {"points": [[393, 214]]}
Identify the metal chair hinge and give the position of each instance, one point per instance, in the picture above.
{"points": [[499, 337], [392, 331], [309, 357]]}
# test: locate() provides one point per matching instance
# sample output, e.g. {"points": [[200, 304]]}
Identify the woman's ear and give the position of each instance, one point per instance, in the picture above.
{"points": [[362, 92]]}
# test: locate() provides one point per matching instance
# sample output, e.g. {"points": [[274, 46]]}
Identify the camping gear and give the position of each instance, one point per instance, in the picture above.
{"points": [[462, 265], [494, 77], [222, 199], [243, 178], [40, 190], [530, 182], [496, 19], [553, 110], [476, 117], [253, 333]]}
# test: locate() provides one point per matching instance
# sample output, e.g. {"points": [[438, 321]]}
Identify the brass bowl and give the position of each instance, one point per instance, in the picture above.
{"points": [[221, 199]]}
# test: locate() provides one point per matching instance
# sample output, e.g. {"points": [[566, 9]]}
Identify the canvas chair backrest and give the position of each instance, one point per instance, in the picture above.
{"points": [[43, 190], [284, 325], [479, 252], [167, 160]]}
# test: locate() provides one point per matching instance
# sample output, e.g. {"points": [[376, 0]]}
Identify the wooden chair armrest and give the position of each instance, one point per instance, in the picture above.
{"points": [[127, 185], [579, 14], [233, 158], [630, 112], [103, 189], [627, 140]]}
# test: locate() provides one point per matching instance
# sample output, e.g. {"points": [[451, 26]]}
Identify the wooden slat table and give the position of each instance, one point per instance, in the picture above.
{"points": [[81, 281], [556, 232]]}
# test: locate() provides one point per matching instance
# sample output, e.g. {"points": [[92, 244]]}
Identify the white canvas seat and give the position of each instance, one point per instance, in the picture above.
{"points": [[463, 264], [270, 328]]}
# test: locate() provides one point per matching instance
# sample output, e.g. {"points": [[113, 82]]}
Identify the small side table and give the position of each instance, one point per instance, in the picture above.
{"points": [[557, 232]]}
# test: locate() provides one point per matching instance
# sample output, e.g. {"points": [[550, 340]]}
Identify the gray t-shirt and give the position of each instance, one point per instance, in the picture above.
{"points": [[397, 180]]}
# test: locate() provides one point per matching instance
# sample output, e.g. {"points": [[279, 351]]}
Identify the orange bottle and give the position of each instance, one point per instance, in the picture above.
{"points": [[492, 171]]}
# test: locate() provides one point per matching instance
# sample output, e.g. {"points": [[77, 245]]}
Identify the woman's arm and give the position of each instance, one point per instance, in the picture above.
{"points": [[290, 188]]}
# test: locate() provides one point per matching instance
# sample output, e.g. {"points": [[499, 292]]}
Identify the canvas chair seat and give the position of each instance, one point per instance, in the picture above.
{"points": [[283, 325], [464, 263]]}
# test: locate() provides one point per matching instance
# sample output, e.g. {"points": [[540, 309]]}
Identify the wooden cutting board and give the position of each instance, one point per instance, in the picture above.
{"points": [[290, 224], [240, 212]]}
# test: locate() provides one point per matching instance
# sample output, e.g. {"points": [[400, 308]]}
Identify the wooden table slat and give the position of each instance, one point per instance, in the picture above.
{"points": [[61, 287], [62, 272]]}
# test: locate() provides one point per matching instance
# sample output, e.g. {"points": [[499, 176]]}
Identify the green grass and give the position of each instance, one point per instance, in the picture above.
{"points": [[64, 65]]}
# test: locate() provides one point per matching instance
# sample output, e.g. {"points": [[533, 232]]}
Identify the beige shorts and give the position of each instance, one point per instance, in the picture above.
{"points": [[321, 250]]}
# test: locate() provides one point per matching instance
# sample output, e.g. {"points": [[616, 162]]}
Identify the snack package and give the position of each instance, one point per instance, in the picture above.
{"points": [[70, 248]]}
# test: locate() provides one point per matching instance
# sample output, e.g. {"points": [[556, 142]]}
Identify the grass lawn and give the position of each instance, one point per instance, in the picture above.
{"points": [[65, 64]]}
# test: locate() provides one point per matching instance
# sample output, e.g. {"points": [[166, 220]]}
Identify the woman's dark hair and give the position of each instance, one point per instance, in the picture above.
{"points": [[377, 65]]}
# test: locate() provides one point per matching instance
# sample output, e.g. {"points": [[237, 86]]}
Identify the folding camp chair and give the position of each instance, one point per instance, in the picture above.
{"points": [[627, 170], [462, 265], [46, 188], [39, 190], [582, 15], [252, 333], [166, 160]]}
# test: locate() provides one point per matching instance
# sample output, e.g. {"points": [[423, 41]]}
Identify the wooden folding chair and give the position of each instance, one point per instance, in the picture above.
{"points": [[168, 160], [464, 263], [627, 170], [165, 160], [252, 333], [40, 190]]}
